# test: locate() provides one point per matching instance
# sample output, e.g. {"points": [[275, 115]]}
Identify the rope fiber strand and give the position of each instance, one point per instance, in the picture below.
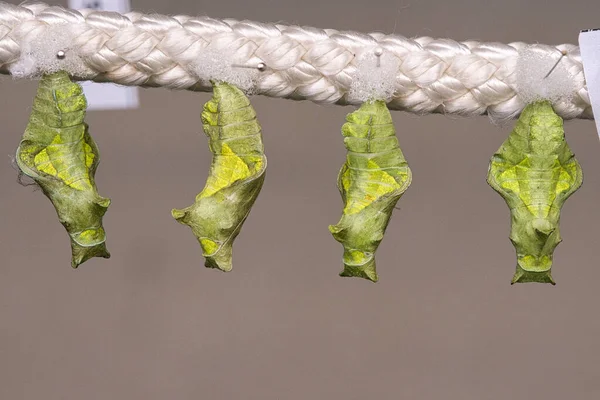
{"points": [[301, 63]]}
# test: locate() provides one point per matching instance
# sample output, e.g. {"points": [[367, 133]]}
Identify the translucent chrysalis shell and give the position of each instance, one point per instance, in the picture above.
{"points": [[236, 175], [58, 153], [371, 181], [535, 172]]}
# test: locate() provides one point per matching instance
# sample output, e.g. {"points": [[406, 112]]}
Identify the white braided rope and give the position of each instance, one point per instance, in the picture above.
{"points": [[434, 75]]}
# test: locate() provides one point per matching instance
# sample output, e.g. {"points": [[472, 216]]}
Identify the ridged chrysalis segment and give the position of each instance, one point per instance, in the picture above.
{"points": [[58, 152], [535, 172], [372, 180], [236, 175]]}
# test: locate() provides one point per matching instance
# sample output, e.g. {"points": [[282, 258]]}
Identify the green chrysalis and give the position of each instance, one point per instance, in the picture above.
{"points": [[371, 181], [58, 153], [535, 172], [236, 175]]}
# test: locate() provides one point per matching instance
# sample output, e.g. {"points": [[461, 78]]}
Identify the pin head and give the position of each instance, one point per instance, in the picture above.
{"points": [[61, 54], [261, 66], [378, 53]]}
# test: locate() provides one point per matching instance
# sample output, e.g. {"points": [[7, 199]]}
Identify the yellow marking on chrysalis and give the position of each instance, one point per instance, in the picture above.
{"points": [[228, 169], [90, 237], [212, 106], [346, 182], [27, 151], [511, 180], [535, 264], [209, 247], [381, 183], [42, 163], [509, 174], [89, 155], [74, 182], [565, 181], [258, 163], [511, 185], [57, 140], [355, 257]]}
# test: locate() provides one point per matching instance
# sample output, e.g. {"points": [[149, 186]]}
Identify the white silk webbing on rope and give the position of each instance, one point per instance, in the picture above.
{"points": [[301, 63]]}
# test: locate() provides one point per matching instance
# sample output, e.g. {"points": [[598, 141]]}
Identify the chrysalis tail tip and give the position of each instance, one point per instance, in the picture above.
{"points": [[219, 258], [101, 252], [366, 271], [222, 265], [522, 276]]}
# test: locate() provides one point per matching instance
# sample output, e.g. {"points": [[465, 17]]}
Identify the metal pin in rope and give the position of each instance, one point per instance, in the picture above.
{"points": [[261, 66], [378, 53], [562, 54]]}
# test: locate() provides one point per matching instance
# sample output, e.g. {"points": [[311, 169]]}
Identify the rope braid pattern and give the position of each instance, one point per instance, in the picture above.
{"points": [[303, 63]]}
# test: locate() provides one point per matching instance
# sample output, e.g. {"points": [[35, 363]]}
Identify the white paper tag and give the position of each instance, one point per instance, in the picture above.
{"points": [[107, 96], [589, 46]]}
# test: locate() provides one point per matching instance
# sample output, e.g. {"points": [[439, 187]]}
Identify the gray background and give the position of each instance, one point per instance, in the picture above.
{"points": [[442, 323]]}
